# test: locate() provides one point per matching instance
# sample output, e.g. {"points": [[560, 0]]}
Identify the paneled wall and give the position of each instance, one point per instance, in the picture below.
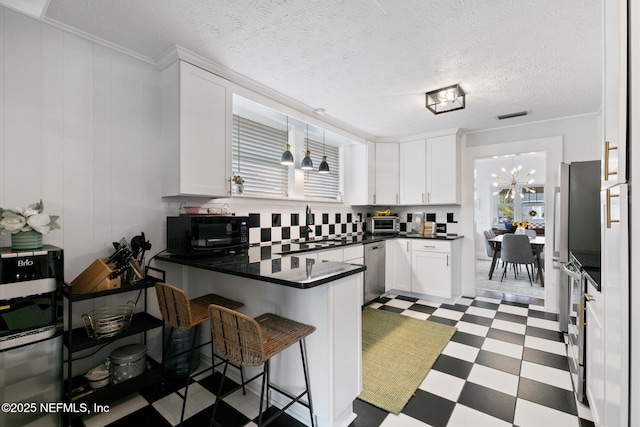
{"points": [[79, 126]]}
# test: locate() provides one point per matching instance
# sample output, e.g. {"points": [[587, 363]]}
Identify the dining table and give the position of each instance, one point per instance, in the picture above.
{"points": [[537, 245]]}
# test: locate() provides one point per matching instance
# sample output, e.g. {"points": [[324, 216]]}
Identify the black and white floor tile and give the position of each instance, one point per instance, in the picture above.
{"points": [[505, 366]]}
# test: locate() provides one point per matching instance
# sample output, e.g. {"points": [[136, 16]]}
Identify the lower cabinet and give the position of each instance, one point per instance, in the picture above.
{"points": [[424, 266], [398, 265], [434, 268], [594, 354]]}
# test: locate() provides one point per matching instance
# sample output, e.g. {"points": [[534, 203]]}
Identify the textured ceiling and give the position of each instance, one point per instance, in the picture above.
{"points": [[368, 63]]}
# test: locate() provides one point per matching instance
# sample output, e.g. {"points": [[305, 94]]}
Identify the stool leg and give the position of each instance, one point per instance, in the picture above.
{"points": [[219, 394], [186, 386], [303, 352], [265, 375]]}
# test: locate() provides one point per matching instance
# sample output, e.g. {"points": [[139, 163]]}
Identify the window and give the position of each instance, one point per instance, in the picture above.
{"points": [[260, 135], [323, 185], [524, 206], [257, 148]]}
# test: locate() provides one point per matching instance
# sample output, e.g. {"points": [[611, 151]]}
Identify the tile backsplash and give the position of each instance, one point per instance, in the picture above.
{"points": [[286, 223]]}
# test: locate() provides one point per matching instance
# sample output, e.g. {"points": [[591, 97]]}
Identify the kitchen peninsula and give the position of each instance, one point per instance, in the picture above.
{"points": [[327, 295]]}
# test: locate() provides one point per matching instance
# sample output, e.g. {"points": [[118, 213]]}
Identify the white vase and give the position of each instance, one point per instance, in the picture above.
{"points": [[520, 231]]}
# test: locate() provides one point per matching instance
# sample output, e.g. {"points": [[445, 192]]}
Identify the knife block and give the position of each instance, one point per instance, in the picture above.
{"points": [[95, 278]]}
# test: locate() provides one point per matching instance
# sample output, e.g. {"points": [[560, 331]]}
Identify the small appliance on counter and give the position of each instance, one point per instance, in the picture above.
{"points": [[196, 235], [383, 225], [441, 229]]}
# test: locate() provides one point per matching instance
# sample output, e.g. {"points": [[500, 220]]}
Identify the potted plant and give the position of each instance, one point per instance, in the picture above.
{"points": [[27, 225]]}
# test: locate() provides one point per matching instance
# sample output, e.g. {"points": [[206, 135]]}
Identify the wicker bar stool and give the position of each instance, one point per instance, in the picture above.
{"points": [[182, 313], [253, 342]]}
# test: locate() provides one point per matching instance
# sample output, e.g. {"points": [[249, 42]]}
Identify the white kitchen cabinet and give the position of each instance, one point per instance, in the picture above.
{"points": [[595, 354], [614, 112], [413, 173], [387, 163], [442, 173], [398, 265], [196, 132], [361, 174], [435, 269], [336, 255], [354, 254], [615, 289]]}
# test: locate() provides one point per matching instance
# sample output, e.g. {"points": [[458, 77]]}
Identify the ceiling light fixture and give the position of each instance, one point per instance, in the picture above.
{"points": [[320, 111], [511, 180], [324, 166], [307, 163], [287, 158], [447, 99]]}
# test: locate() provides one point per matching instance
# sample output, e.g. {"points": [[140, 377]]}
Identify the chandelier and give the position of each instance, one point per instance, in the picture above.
{"points": [[510, 180]]}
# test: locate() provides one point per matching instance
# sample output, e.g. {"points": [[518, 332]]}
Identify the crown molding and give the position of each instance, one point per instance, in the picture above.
{"points": [[177, 52]]}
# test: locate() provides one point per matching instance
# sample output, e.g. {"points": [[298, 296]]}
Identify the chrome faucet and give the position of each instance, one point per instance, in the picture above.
{"points": [[308, 222]]}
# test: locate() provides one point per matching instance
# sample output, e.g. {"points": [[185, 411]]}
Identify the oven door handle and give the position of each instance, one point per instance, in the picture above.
{"points": [[570, 273]]}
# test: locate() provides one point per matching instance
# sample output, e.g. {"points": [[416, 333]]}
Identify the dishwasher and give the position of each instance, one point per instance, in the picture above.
{"points": [[374, 275]]}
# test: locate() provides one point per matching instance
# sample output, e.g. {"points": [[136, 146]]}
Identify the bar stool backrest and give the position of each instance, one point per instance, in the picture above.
{"points": [[174, 306], [238, 337]]}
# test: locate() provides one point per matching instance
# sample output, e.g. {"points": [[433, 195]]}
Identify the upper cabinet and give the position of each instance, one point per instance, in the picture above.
{"points": [[387, 164], [361, 174], [614, 146], [413, 173], [443, 170], [196, 132]]}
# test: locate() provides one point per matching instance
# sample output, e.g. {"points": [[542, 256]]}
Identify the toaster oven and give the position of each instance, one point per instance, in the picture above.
{"points": [[383, 225]]}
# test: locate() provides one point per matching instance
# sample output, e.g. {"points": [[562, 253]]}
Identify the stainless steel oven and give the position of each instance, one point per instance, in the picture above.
{"points": [[576, 326]]}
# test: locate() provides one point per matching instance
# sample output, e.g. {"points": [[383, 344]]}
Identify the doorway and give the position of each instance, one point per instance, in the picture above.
{"points": [[509, 189]]}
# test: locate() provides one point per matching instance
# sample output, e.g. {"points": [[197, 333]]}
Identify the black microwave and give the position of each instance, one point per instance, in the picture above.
{"points": [[195, 235]]}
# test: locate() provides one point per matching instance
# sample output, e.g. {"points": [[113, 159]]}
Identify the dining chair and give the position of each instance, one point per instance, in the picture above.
{"points": [[516, 250]]}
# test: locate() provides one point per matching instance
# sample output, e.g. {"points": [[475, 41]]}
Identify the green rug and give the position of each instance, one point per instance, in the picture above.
{"points": [[397, 353]]}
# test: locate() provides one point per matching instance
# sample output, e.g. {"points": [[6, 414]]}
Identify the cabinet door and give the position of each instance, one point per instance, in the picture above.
{"points": [[387, 175], [398, 265], [615, 285], [413, 173], [431, 273], [594, 354], [197, 125], [614, 93], [361, 174], [336, 255], [443, 162]]}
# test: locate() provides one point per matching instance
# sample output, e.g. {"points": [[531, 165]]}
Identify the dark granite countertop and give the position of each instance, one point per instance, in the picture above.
{"points": [[268, 266], [278, 263]]}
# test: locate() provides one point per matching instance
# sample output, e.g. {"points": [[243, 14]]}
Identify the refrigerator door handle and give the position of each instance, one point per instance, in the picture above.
{"points": [[570, 273]]}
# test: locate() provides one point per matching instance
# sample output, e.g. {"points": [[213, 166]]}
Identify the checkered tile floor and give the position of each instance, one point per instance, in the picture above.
{"points": [[506, 365]]}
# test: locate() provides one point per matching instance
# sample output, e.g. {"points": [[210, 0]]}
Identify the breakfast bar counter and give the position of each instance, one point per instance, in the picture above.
{"points": [[327, 295]]}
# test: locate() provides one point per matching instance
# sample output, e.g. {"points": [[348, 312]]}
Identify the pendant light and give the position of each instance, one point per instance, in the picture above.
{"points": [[307, 163], [287, 158], [324, 166]]}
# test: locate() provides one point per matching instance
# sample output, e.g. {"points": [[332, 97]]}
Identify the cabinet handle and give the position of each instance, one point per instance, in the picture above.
{"points": [[374, 199], [428, 197], [407, 246], [609, 196], [230, 184], [397, 199], [447, 260], [422, 197], [608, 148], [429, 247], [581, 316]]}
